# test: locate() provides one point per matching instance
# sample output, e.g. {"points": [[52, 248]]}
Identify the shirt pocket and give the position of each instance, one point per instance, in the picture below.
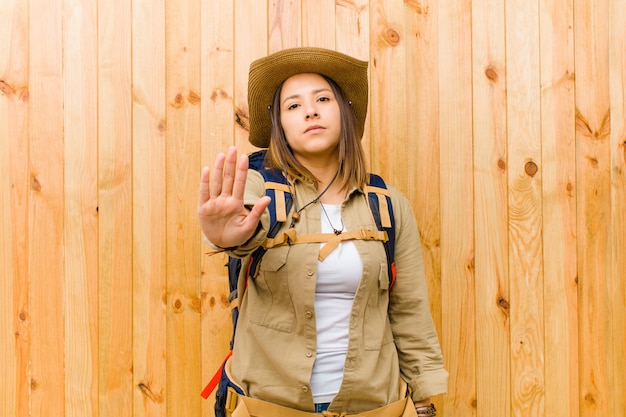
{"points": [[270, 302], [377, 331]]}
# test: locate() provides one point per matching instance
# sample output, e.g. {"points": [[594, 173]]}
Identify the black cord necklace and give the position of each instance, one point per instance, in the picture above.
{"points": [[296, 214], [335, 231]]}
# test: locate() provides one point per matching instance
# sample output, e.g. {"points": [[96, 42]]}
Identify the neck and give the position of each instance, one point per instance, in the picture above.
{"points": [[335, 194]]}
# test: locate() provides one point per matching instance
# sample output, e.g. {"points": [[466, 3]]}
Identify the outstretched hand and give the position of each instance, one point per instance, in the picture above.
{"points": [[224, 219]]}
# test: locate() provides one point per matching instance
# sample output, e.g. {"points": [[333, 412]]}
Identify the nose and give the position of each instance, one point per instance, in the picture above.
{"points": [[311, 111]]}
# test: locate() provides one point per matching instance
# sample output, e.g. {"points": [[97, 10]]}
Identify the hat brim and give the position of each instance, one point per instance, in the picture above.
{"points": [[268, 73]]}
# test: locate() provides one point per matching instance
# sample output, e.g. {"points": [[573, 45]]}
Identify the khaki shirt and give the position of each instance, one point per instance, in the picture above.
{"points": [[392, 335]]}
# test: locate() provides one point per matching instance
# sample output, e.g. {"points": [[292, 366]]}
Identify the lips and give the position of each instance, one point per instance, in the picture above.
{"points": [[314, 128]]}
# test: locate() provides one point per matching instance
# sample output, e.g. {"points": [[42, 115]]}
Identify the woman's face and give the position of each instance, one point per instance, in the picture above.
{"points": [[310, 117]]}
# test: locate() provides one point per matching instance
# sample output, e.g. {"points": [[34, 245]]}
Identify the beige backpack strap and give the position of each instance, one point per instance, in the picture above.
{"points": [[290, 237], [280, 190], [381, 193]]}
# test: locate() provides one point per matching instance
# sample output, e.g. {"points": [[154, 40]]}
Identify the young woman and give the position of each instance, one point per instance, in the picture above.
{"points": [[315, 332]]}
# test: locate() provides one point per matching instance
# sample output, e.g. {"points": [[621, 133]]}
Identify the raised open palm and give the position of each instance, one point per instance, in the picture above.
{"points": [[224, 219]]}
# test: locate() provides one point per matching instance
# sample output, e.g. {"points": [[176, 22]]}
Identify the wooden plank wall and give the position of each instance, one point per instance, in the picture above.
{"points": [[503, 121]]}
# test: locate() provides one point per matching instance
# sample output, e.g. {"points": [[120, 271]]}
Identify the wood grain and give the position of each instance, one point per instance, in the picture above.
{"points": [[525, 214], [182, 151], [115, 220], [493, 298], [251, 44], [423, 138], [149, 287], [14, 203], [80, 61], [559, 208], [217, 133], [285, 31], [318, 23], [456, 206], [617, 260], [46, 210], [503, 122], [593, 178], [388, 104]]}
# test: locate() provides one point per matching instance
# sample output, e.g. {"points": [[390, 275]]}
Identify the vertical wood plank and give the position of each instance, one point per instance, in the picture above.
{"points": [[422, 86], [115, 207], [9, 15], [389, 145], [284, 24], [617, 242], [352, 28], [493, 373], [182, 40], [46, 208], [217, 133], [81, 205], [525, 202], [594, 205], [250, 44], [559, 207], [14, 201], [352, 38], [318, 23], [456, 192], [149, 209]]}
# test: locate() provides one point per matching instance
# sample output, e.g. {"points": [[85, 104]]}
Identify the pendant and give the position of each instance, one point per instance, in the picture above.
{"points": [[337, 232]]}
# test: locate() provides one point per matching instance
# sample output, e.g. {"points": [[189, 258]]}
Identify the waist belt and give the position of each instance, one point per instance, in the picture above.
{"points": [[250, 407], [290, 237]]}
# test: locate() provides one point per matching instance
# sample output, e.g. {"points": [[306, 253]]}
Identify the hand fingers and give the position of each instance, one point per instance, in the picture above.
{"points": [[215, 183], [203, 195], [230, 167], [241, 174]]}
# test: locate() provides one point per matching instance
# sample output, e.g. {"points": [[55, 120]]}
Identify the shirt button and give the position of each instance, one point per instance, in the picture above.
{"points": [[309, 354], [304, 388], [309, 273], [308, 314]]}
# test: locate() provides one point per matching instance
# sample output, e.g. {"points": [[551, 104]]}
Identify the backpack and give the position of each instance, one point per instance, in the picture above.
{"points": [[277, 187]]}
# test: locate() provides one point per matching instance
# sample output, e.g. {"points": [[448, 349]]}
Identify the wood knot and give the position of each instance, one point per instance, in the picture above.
{"points": [[177, 305], [162, 126], [418, 6], [501, 164], [193, 98], [22, 316], [219, 93], [35, 184], [147, 392], [6, 89], [392, 36], [531, 168], [242, 119], [178, 101], [491, 74]]}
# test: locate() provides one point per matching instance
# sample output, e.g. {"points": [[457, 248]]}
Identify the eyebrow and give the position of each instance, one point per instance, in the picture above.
{"points": [[319, 90]]}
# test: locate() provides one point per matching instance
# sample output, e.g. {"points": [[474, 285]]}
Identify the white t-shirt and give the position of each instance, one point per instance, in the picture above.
{"points": [[338, 278]]}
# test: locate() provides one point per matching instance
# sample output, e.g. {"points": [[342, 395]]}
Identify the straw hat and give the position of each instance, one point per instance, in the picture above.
{"points": [[268, 73]]}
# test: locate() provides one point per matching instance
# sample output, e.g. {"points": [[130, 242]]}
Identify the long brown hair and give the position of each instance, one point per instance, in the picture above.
{"points": [[352, 167]]}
